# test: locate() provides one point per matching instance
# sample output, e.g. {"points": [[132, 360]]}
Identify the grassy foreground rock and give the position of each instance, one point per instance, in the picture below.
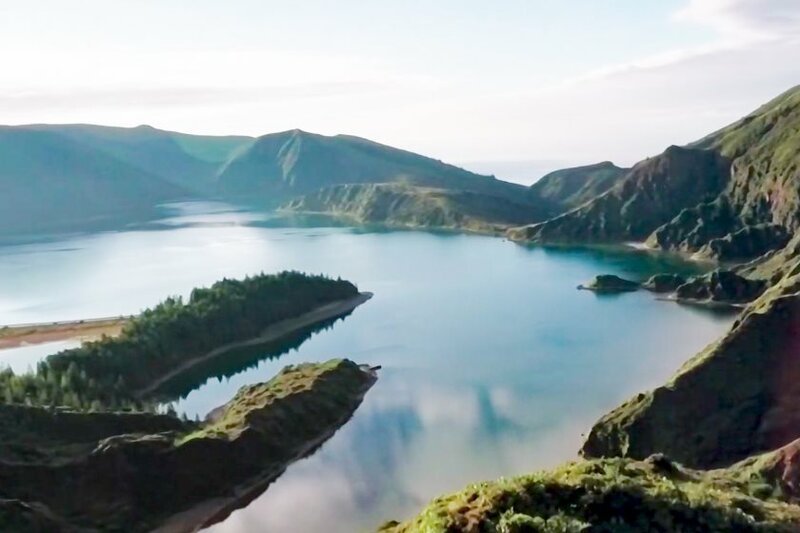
{"points": [[139, 472], [608, 495]]}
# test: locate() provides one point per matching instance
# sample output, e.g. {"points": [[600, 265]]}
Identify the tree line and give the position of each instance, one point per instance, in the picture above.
{"points": [[109, 373]]}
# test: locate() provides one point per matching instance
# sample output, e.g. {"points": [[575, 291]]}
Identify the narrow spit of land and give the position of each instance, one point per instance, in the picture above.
{"points": [[272, 333], [16, 335]]}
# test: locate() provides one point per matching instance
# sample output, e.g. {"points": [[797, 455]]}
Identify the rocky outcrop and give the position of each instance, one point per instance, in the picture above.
{"points": [[748, 242], [760, 206], [695, 226], [419, 207], [662, 283], [721, 286], [650, 195], [609, 283], [168, 474], [731, 196], [736, 398], [608, 495], [775, 265]]}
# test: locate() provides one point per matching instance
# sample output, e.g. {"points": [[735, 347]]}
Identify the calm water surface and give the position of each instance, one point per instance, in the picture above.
{"points": [[493, 364]]}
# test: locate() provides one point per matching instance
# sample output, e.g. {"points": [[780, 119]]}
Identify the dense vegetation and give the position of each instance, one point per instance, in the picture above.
{"points": [[111, 372], [607, 495]]}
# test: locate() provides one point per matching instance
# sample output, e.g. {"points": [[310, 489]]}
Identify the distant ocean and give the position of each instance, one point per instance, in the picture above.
{"points": [[525, 172]]}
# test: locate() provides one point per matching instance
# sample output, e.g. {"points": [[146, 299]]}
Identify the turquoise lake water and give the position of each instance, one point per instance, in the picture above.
{"points": [[493, 364]]}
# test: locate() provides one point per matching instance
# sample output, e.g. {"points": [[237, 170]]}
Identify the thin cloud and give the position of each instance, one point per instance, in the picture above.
{"points": [[179, 96], [745, 19]]}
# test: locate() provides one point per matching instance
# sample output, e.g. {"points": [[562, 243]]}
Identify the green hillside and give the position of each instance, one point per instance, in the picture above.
{"points": [[189, 161], [648, 196], [283, 165], [51, 183], [570, 187], [763, 190]]}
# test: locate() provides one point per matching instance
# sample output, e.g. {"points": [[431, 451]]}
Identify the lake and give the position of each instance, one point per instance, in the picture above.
{"points": [[493, 364]]}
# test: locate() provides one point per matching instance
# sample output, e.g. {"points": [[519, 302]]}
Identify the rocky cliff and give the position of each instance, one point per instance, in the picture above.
{"points": [[139, 472], [736, 398], [733, 195], [647, 197]]}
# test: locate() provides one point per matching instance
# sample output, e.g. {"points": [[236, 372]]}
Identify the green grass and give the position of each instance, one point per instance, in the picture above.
{"points": [[253, 398], [606, 495]]}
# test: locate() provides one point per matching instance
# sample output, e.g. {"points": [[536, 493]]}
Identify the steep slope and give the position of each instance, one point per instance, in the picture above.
{"points": [[283, 165], [400, 205], [736, 398], [647, 197], [49, 182], [763, 192], [570, 187], [733, 195], [189, 161]]}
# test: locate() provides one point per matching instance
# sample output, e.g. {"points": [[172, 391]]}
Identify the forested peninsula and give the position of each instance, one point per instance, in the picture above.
{"points": [[119, 372], [85, 446]]}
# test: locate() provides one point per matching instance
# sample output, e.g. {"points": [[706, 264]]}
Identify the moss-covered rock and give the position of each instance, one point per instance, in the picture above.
{"points": [[609, 283], [606, 495], [721, 286], [662, 283], [172, 474]]}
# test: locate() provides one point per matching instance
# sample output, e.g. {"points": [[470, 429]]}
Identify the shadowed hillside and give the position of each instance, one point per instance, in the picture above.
{"points": [[49, 182], [292, 163]]}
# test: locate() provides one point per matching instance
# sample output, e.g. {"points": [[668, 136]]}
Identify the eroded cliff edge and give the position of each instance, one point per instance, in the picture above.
{"points": [[141, 472], [736, 398]]}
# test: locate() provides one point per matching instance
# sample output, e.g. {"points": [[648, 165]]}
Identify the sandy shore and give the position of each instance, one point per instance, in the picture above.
{"points": [[272, 333], [17, 335]]}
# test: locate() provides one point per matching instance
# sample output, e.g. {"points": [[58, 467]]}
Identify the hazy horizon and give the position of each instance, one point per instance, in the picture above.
{"points": [[574, 82]]}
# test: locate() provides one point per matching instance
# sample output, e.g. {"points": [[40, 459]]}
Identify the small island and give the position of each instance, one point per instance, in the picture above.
{"points": [[160, 343], [609, 283]]}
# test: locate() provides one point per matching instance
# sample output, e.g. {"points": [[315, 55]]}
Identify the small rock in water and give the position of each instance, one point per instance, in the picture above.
{"points": [[610, 283]]}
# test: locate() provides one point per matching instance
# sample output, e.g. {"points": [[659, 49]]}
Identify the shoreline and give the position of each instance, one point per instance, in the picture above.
{"points": [[271, 333], [19, 335]]}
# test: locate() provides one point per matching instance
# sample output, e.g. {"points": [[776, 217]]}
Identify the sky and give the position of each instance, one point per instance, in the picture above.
{"points": [[511, 87]]}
